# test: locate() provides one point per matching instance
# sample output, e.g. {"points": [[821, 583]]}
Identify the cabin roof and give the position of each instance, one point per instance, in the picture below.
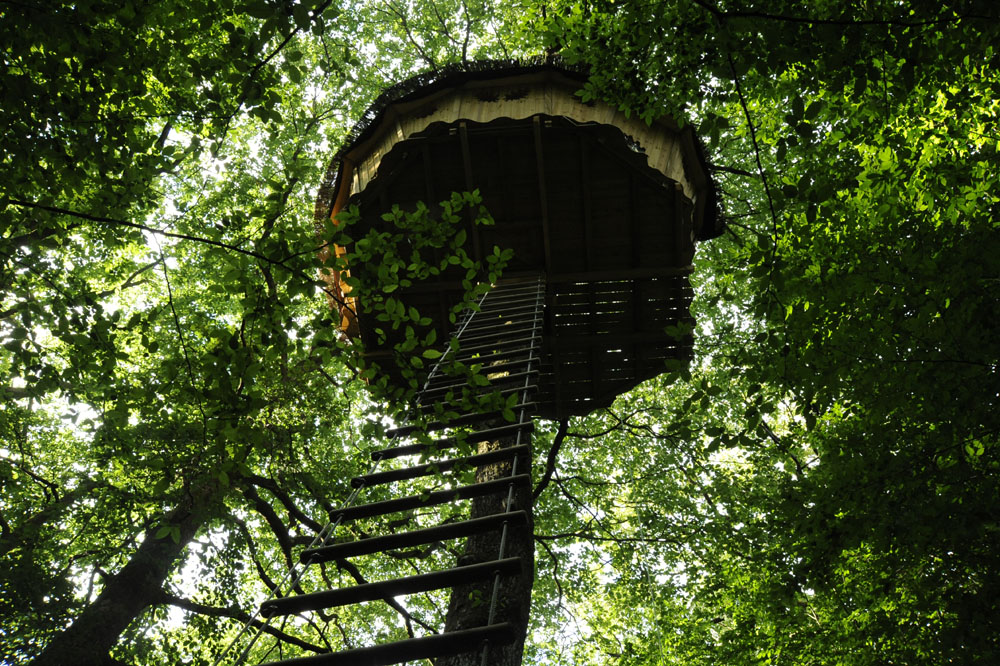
{"points": [[416, 91]]}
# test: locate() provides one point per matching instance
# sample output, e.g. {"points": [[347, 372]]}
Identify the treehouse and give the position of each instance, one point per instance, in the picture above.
{"points": [[601, 213], [605, 208]]}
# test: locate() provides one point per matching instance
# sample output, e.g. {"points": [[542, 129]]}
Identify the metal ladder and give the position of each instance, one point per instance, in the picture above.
{"points": [[504, 337]]}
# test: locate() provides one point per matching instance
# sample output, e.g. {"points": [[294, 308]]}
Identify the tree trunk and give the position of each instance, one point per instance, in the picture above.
{"points": [[470, 604], [138, 585]]}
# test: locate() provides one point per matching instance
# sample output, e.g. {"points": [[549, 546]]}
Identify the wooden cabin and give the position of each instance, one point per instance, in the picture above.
{"points": [[606, 208], [601, 213]]}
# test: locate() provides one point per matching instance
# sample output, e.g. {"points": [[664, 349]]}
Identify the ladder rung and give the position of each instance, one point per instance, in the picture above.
{"points": [[438, 405], [531, 351], [411, 649], [513, 312], [356, 594], [431, 499], [506, 289], [381, 544], [499, 327], [508, 365], [499, 343], [506, 300], [462, 419], [450, 442], [427, 469], [503, 305], [489, 326], [429, 409], [523, 282], [486, 309], [476, 390]]}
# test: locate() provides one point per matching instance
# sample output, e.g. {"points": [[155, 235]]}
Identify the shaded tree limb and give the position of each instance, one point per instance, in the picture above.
{"points": [[550, 462], [135, 587], [237, 614], [272, 487], [555, 569], [147, 228], [274, 522], [756, 145], [252, 547], [408, 619]]}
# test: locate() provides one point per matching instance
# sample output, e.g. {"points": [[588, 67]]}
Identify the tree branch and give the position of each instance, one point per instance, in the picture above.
{"points": [[273, 520], [555, 569], [272, 487], [401, 15], [733, 170], [143, 227], [408, 619], [550, 462], [237, 614], [252, 547], [131, 281], [179, 236], [756, 146]]}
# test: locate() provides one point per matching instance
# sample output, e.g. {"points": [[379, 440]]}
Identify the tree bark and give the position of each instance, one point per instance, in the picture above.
{"points": [[89, 639], [470, 604]]}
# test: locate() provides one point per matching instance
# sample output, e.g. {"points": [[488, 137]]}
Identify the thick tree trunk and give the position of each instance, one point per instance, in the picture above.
{"points": [[138, 585], [470, 604]]}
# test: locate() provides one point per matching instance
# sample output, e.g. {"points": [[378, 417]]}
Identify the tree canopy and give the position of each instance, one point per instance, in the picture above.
{"points": [[179, 412]]}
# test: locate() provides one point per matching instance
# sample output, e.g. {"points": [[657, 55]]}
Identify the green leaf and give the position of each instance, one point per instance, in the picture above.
{"points": [[300, 13]]}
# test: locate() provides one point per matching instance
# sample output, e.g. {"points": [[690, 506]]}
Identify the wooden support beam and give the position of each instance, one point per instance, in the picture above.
{"points": [[462, 419], [588, 223], [388, 589], [488, 435], [543, 193], [619, 340], [476, 390], [427, 469], [431, 499], [412, 649], [413, 538]]}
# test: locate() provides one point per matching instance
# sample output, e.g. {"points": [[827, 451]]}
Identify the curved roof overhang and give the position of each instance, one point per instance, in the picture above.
{"points": [[484, 91]]}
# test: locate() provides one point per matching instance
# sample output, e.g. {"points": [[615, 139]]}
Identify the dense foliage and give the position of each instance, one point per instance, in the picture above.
{"points": [[179, 412]]}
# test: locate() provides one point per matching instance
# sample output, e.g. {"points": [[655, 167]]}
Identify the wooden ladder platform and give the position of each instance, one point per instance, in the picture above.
{"points": [[426, 469], [419, 537], [457, 386], [435, 580], [411, 649], [431, 499], [520, 328], [460, 420], [487, 435]]}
